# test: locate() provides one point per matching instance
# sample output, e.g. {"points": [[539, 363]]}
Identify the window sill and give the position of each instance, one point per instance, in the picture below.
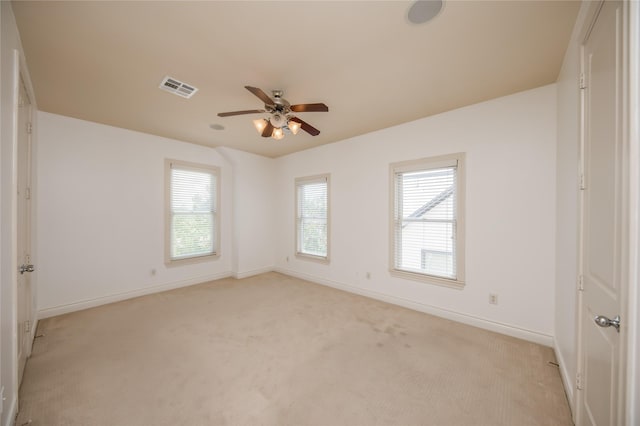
{"points": [[318, 259], [191, 260], [429, 279]]}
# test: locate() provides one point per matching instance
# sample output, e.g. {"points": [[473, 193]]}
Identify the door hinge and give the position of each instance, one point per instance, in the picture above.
{"points": [[583, 84], [29, 128], [579, 381], [28, 193], [27, 326], [27, 258], [582, 185], [580, 283]]}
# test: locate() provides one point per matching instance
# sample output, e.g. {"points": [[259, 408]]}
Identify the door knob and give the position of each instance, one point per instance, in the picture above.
{"points": [[26, 268], [603, 321]]}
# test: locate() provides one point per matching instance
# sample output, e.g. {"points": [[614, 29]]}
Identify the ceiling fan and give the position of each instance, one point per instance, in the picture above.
{"points": [[281, 117]]}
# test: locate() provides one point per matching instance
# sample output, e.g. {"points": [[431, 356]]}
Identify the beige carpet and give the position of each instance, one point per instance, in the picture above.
{"points": [[275, 350]]}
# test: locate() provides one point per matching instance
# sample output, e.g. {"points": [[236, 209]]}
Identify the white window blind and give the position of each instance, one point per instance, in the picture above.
{"points": [[312, 216], [192, 211], [425, 218]]}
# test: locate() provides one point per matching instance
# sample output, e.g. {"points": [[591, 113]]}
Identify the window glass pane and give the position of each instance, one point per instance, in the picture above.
{"points": [[193, 235], [427, 247], [313, 237], [192, 191]]}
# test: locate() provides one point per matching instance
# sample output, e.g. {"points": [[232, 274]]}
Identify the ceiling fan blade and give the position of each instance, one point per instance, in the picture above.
{"points": [[259, 93], [306, 126], [249, 111], [320, 107], [267, 130]]}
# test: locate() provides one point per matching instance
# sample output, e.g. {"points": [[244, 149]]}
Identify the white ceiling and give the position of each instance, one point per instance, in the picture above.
{"points": [[103, 62]]}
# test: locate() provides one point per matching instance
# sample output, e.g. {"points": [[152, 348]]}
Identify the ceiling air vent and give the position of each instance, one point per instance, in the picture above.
{"points": [[177, 87]]}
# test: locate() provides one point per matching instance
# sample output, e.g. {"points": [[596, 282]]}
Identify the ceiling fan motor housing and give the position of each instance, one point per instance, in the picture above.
{"points": [[280, 105]]}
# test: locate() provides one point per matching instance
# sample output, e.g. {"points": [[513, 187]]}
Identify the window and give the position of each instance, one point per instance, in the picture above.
{"points": [[312, 217], [427, 199], [192, 212]]}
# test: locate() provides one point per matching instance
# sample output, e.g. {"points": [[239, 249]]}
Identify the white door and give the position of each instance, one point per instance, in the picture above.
{"points": [[24, 229], [603, 222]]}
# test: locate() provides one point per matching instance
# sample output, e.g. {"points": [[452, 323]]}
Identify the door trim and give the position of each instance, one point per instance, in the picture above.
{"points": [[632, 411]]}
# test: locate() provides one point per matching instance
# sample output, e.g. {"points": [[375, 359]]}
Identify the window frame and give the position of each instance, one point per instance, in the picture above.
{"points": [[425, 164], [196, 167], [326, 178]]}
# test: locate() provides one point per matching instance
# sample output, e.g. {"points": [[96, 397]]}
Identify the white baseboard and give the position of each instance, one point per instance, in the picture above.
{"points": [[567, 383], [10, 419], [91, 303], [247, 274], [509, 330], [32, 333]]}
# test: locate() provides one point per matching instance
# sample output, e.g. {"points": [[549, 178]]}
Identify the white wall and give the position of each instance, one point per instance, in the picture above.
{"points": [[10, 43], [101, 214], [567, 209], [510, 205], [253, 212]]}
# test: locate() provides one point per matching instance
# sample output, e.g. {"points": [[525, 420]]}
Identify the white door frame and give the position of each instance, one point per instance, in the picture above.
{"points": [[629, 367], [632, 411]]}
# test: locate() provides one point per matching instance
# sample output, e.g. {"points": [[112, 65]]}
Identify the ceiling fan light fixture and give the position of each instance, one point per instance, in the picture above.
{"points": [[294, 126], [278, 120], [260, 124], [277, 133]]}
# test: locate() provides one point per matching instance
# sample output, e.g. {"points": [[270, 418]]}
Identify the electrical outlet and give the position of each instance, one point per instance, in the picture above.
{"points": [[493, 299], [153, 272], [368, 275], [287, 259]]}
